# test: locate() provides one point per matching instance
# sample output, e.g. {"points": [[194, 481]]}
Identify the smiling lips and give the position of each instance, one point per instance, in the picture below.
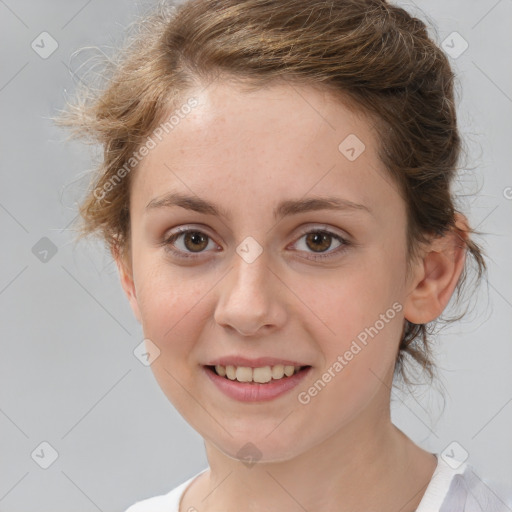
{"points": [[261, 375], [255, 380], [260, 370]]}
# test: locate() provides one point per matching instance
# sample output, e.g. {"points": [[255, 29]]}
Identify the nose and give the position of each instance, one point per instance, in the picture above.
{"points": [[250, 298]]}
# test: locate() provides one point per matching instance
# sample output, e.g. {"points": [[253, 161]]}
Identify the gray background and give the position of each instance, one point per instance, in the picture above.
{"points": [[68, 373]]}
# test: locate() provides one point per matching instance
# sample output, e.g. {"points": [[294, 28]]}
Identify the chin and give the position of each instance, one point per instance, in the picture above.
{"points": [[251, 449]]}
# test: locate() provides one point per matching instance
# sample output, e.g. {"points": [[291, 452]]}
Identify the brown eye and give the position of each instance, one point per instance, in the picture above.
{"points": [[187, 242], [195, 241], [319, 241]]}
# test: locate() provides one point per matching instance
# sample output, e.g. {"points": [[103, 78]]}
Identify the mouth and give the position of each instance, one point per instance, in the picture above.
{"points": [[256, 384], [258, 379], [260, 375]]}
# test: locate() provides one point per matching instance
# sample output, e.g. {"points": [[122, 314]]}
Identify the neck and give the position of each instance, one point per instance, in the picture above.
{"points": [[368, 465]]}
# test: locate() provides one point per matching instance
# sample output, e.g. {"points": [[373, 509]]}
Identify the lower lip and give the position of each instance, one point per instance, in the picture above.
{"points": [[254, 392]]}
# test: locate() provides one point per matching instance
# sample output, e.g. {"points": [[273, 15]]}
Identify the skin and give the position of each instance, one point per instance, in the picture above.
{"points": [[246, 151]]}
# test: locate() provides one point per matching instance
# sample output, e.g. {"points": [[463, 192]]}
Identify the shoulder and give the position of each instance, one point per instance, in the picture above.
{"points": [[456, 487], [469, 491], [163, 503]]}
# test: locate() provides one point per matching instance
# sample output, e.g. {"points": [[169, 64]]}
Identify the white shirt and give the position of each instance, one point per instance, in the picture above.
{"points": [[454, 487]]}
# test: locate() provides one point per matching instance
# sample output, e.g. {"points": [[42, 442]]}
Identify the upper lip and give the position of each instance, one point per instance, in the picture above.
{"points": [[253, 363]]}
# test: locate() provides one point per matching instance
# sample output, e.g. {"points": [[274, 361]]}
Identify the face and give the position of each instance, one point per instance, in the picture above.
{"points": [[265, 272]]}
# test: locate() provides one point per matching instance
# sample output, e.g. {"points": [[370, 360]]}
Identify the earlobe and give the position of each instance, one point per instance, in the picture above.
{"points": [[437, 275], [126, 277]]}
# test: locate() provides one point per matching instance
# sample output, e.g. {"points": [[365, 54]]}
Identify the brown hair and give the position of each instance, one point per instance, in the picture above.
{"points": [[373, 54]]}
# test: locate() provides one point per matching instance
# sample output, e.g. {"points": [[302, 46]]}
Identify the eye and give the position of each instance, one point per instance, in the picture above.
{"points": [[192, 240], [188, 241], [320, 240]]}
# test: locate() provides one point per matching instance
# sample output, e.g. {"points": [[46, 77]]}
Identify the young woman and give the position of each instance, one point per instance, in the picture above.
{"points": [[275, 191]]}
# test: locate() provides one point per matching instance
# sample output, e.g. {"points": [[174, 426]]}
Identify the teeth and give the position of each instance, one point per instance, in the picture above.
{"points": [[260, 375], [289, 370], [243, 374], [231, 372], [277, 371]]}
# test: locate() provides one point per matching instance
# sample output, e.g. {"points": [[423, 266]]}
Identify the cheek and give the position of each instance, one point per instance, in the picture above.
{"points": [[351, 301], [361, 314], [171, 307], [170, 303], [358, 364]]}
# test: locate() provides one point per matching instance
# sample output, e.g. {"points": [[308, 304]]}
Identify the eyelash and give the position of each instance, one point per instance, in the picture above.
{"points": [[319, 256]]}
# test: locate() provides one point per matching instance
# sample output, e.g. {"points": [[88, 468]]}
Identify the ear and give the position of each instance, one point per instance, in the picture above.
{"points": [[124, 266], [436, 274]]}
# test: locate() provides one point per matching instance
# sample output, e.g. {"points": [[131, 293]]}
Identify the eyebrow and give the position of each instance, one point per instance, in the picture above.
{"points": [[283, 209]]}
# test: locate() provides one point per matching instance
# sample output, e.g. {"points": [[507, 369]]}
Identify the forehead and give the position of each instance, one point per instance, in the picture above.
{"points": [[282, 140], [282, 116]]}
